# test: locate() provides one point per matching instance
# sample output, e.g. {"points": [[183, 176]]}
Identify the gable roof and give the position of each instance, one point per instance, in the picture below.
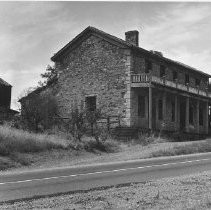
{"points": [[2, 82], [123, 43]]}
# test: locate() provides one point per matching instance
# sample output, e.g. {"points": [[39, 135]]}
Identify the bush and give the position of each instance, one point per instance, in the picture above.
{"points": [[38, 111], [107, 146], [146, 138]]}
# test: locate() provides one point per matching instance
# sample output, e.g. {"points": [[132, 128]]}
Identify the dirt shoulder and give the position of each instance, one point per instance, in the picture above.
{"points": [[185, 192]]}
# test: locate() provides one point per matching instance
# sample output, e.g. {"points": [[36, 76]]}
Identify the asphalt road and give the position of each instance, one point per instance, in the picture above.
{"points": [[61, 180]]}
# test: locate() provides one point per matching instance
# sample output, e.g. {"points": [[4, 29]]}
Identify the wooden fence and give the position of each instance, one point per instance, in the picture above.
{"points": [[109, 122]]}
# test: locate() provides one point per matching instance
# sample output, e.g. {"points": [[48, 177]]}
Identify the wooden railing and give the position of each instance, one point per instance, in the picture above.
{"points": [[110, 122], [146, 78]]}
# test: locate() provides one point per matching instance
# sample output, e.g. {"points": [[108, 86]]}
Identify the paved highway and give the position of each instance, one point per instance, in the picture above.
{"points": [[37, 183]]}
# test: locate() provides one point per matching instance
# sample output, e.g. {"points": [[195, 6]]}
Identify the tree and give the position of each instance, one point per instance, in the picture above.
{"points": [[92, 118], [38, 111], [76, 123], [49, 76]]}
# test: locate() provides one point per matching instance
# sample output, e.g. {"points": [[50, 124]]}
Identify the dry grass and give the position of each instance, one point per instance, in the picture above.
{"points": [[186, 192], [15, 143], [23, 150], [194, 147]]}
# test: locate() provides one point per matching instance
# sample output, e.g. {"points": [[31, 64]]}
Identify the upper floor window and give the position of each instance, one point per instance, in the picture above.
{"points": [[198, 81], [187, 80], [175, 75], [91, 103], [148, 66], [162, 71]]}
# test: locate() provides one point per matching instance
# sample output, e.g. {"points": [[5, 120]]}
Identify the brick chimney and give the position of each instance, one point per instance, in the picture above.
{"points": [[132, 37]]}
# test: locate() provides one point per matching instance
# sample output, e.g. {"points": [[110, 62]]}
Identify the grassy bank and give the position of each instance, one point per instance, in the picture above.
{"points": [[186, 192], [14, 144], [23, 150]]}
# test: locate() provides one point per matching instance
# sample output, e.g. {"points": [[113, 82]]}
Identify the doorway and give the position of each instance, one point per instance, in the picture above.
{"points": [[182, 115]]}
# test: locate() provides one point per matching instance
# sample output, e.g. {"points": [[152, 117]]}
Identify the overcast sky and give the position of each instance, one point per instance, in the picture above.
{"points": [[31, 32]]}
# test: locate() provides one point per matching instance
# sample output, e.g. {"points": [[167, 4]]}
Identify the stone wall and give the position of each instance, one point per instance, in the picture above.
{"points": [[94, 68]]}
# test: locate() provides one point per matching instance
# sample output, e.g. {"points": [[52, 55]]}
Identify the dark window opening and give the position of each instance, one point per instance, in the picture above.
{"points": [[148, 66], [186, 79], [160, 109], [198, 82], [91, 103], [141, 106], [201, 116], [175, 76], [162, 71], [191, 115], [172, 111]]}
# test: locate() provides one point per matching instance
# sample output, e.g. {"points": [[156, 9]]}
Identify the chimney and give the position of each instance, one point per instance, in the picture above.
{"points": [[132, 37]]}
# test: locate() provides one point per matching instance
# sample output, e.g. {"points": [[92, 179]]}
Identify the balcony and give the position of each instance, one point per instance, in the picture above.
{"points": [[142, 80]]}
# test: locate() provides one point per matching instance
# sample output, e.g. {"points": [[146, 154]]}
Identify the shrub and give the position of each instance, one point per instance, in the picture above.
{"points": [[38, 111], [146, 138], [76, 123], [107, 146]]}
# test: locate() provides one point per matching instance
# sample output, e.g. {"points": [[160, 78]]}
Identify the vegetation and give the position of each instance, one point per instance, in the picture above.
{"points": [[199, 147], [38, 112], [14, 143]]}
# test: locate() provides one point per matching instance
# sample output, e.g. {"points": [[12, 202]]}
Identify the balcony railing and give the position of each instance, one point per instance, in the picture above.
{"points": [[146, 78]]}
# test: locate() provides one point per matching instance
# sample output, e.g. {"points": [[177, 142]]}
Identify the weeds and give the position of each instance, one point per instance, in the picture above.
{"points": [[184, 149]]}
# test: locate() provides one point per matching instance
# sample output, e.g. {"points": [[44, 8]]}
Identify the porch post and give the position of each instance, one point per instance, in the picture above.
{"points": [[187, 114], [197, 115], [206, 116], [150, 107]]}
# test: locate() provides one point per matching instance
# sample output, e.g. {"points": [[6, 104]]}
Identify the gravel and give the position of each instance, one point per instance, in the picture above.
{"points": [[185, 192]]}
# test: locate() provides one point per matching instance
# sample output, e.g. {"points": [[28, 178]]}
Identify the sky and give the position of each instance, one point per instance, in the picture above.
{"points": [[31, 32]]}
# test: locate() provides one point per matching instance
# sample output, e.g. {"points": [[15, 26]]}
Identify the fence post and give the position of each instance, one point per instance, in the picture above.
{"points": [[108, 123]]}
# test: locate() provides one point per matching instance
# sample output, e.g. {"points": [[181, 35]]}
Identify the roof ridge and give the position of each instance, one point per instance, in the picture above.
{"points": [[3, 82], [92, 28]]}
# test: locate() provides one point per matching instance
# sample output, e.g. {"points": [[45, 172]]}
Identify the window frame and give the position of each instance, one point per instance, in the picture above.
{"points": [[175, 78], [187, 79], [89, 103], [162, 71], [148, 66]]}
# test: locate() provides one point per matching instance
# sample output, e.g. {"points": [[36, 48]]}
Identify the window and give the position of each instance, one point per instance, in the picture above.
{"points": [[175, 76], [160, 109], [172, 111], [186, 79], [191, 114], [141, 106], [201, 116], [91, 103], [162, 71], [197, 82], [148, 66]]}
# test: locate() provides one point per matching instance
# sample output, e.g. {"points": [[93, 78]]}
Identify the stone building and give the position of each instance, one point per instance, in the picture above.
{"points": [[148, 90], [5, 100]]}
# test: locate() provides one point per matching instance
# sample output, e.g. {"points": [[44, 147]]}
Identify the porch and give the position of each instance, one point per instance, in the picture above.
{"points": [[160, 108]]}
